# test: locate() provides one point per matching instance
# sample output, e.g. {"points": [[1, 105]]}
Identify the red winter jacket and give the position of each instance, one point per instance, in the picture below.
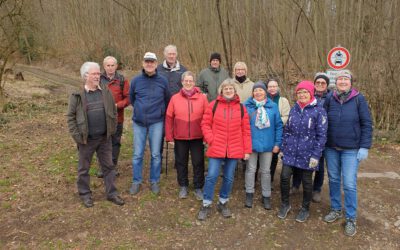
{"points": [[226, 132], [184, 115], [121, 98]]}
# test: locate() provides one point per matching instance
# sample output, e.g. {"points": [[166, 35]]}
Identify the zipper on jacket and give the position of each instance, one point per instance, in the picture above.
{"points": [[189, 116]]}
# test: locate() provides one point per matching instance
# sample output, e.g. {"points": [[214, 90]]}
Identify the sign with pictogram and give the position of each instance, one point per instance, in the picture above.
{"points": [[338, 58]]}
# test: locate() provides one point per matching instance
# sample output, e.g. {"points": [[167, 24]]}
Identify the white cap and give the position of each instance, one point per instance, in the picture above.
{"points": [[150, 56]]}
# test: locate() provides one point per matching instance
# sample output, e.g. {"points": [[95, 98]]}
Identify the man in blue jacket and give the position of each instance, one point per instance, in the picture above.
{"points": [[149, 96]]}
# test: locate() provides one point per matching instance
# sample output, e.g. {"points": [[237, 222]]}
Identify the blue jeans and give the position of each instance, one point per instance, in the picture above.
{"points": [[140, 133], [214, 165], [343, 164]]}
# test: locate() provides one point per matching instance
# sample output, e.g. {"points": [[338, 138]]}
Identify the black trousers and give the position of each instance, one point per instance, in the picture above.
{"points": [[196, 148], [116, 143], [103, 149], [274, 163], [306, 177]]}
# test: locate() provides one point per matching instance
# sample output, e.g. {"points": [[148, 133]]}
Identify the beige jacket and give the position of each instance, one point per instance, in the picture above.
{"points": [[284, 109], [244, 90]]}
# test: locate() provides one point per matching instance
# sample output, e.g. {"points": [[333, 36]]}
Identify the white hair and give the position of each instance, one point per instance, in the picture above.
{"points": [[169, 47], [86, 67], [110, 58]]}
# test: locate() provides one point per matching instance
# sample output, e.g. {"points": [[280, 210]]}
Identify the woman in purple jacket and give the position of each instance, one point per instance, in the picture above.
{"points": [[304, 138]]}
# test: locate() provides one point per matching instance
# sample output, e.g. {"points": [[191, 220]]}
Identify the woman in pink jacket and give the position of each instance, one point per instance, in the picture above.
{"points": [[182, 129], [226, 130]]}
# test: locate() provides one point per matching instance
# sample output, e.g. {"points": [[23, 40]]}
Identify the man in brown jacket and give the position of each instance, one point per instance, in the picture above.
{"points": [[92, 118]]}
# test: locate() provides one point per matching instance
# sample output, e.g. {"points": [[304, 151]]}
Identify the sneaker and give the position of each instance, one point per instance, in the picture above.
{"points": [[283, 211], [199, 194], [204, 212], [316, 197], [302, 215], [224, 210], [183, 193], [249, 200], [333, 216], [266, 201], [155, 188], [350, 227], [294, 190], [135, 188]]}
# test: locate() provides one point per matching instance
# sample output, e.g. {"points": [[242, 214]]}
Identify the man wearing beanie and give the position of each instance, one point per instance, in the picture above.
{"points": [[211, 78]]}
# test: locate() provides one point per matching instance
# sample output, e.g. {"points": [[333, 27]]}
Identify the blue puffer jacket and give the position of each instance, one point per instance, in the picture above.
{"points": [[264, 140], [304, 135], [350, 124], [149, 96]]}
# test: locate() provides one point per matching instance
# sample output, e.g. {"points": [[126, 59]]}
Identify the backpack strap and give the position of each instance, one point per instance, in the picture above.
{"points": [[216, 104]]}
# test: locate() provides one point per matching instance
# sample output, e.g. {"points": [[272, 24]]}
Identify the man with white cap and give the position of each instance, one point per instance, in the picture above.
{"points": [[149, 96]]}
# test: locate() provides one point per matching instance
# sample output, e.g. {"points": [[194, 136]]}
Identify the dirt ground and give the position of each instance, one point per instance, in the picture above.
{"points": [[40, 207]]}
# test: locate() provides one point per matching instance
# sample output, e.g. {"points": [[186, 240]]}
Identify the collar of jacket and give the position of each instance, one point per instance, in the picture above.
{"points": [[146, 75], [215, 69], [176, 67], [87, 90]]}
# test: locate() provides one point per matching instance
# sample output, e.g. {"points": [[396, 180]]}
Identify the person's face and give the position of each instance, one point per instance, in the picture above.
{"points": [[170, 56], [228, 92], [240, 71], [343, 84], [272, 88], [259, 94], [149, 66], [93, 77], [188, 82], [215, 63], [303, 96], [110, 66], [321, 85]]}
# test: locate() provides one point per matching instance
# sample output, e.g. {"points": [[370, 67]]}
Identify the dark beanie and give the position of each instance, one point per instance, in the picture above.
{"points": [[321, 75], [215, 55], [261, 85]]}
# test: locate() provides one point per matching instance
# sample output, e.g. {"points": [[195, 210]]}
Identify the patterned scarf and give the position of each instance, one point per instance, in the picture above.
{"points": [[262, 119]]}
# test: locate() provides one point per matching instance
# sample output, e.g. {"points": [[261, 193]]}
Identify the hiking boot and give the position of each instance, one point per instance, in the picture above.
{"points": [[333, 216], [204, 212], [224, 210], [316, 197], [266, 201], [249, 200], [116, 200], [350, 227], [87, 201], [183, 193], [135, 188], [283, 211], [302, 215], [294, 190], [199, 194], [155, 188]]}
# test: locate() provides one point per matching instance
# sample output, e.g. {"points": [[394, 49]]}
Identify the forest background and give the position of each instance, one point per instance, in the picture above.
{"points": [[289, 39]]}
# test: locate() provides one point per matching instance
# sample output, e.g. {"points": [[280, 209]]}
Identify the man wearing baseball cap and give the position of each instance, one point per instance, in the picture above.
{"points": [[149, 96]]}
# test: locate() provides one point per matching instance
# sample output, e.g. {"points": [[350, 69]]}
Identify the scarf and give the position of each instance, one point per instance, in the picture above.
{"points": [[343, 96], [189, 93], [262, 119], [241, 79]]}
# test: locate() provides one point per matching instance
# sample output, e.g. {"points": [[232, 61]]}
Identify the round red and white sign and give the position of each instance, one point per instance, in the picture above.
{"points": [[338, 58]]}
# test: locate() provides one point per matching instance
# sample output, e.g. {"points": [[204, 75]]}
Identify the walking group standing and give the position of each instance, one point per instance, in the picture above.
{"points": [[229, 120]]}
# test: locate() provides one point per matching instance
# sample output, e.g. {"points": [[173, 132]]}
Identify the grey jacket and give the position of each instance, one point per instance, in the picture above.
{"points": [[77, 115], [209, 81]]}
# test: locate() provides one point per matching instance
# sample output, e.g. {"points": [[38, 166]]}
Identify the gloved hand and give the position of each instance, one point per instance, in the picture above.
{"points": [[313, 162], [362, 154]]}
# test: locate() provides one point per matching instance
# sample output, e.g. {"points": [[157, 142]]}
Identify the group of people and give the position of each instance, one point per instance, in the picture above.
{"points": [[233, 119]]}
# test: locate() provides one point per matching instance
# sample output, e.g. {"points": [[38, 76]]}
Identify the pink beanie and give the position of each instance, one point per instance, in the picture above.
{"points": [[307, 85]]}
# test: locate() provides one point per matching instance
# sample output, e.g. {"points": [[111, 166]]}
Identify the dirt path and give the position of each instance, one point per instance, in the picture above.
{"points": [[40, 208]]}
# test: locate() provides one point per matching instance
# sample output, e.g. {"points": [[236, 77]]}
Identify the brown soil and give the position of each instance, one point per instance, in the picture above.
{"points": [[40, 208]]}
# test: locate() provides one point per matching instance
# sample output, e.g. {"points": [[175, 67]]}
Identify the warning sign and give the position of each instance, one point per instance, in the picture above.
{"points": [[338, 58]]}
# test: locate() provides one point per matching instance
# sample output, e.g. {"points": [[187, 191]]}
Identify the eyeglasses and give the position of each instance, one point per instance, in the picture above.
{"points": [[302, 92], [320, 83], [188, 81]]}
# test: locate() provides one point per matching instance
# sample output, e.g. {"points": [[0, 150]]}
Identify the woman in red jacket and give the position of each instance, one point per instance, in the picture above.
{"points": [[182, 129], [226, 130]]}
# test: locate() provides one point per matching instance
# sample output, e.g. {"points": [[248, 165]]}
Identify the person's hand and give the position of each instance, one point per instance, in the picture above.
{"points": [[362, 154], [275, 149], [246, 157], [313, 162], [280, 154], [171, 143]]}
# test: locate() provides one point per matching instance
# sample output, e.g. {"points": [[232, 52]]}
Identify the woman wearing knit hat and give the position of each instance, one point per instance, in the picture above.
{"points": [[266, 135], [349, 138], [321, 82], [304, 138]]}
